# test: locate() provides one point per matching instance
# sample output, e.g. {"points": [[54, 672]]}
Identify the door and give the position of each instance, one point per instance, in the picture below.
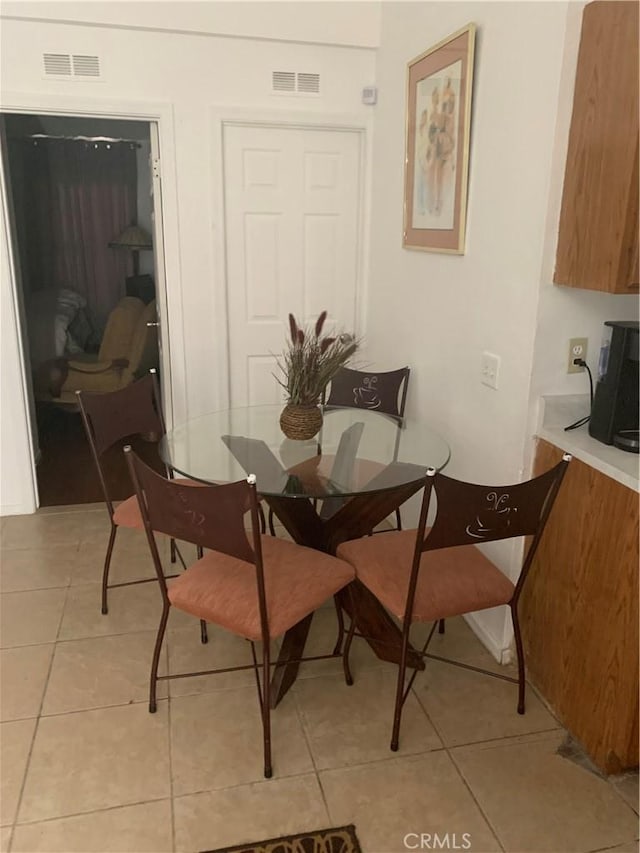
{"points": [[292, 202]]}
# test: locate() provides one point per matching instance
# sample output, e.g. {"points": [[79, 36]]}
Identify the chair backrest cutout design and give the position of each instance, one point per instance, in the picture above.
{"points": [[209, 516], [469, 513], [380, 391]]}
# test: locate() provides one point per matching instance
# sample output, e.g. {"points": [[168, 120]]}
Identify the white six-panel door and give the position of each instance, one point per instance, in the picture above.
{"points": [[292, 205]]}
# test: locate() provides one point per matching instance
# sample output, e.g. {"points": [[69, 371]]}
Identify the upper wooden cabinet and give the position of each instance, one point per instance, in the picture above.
{"points": [[598, 235]]}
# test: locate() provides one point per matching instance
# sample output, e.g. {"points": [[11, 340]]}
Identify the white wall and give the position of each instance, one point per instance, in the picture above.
{"points": [[188, 80], [338, 22], [439, 312]]}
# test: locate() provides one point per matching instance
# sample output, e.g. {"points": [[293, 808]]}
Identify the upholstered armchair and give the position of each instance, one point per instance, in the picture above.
{"points": [[129, 348]]}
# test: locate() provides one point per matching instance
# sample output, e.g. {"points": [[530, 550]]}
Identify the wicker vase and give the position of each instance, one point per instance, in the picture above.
{"points": [[300, 422]]}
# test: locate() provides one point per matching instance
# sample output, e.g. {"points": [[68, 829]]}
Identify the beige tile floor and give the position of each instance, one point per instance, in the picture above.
{"points": [[84, 766]]}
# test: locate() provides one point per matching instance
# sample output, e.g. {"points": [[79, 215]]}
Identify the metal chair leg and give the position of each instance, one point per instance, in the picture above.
{"points": [[272, 529], [520, 653], [176, 554], [441, 626], [338, 647], [156, 657], [204, 636], [263, 523], [398, 519], [266, 709], [107, 564], [402, 667]]}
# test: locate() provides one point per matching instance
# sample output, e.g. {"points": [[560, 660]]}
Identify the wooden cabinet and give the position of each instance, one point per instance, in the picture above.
{"points": [[579, 612], [598, 233]]}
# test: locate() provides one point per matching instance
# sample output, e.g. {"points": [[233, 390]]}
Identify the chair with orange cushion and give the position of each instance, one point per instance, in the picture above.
{"points": [[109, 418], [429, 574], [383, 391], [255, 586]]}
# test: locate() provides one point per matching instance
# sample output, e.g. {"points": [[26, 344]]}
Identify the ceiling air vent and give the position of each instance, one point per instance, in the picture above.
{"points": [[86, 66], [78, 66], [295, 83], [283, 81], [57, 64]]}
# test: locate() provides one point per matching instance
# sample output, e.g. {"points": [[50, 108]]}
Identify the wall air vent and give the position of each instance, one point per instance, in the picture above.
{"points": [[79, 66], [57, 64], [308, 83], [283, 81], [86, 66], [295, 83]]}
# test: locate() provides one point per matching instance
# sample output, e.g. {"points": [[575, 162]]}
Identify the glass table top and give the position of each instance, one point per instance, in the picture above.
{"points": [[356, 451]]}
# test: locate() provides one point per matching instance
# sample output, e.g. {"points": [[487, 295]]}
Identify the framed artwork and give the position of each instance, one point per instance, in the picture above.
{"points": [[439, 85]]}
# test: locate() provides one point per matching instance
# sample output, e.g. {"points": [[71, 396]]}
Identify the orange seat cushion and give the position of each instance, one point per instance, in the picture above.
{"points": [[223, 589], [451, 581], [127, 513]]}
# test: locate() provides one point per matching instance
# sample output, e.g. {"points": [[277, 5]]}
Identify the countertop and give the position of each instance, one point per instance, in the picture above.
{"points": [[557, 412]]}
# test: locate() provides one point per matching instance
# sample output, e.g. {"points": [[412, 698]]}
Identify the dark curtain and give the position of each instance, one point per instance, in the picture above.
{"points": [[71, 198]]}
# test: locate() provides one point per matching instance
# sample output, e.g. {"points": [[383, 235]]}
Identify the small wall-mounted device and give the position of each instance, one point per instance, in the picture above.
{"points": [[369, 95]]}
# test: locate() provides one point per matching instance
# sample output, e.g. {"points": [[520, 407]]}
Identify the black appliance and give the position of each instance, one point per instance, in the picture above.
{"points": [[614, 415]]}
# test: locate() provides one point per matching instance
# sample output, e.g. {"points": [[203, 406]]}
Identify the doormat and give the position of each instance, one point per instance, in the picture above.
{"points": [[340, 839]]}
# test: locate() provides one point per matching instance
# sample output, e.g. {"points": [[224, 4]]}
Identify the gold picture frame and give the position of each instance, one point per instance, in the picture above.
{"points": [[439, 91]]}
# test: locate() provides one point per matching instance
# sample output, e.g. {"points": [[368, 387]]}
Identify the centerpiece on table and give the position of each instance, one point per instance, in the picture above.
{"points": [[308, 364]]}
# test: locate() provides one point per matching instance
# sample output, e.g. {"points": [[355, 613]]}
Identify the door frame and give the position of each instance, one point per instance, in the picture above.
{"points": [[165, 225], [222, 117]]}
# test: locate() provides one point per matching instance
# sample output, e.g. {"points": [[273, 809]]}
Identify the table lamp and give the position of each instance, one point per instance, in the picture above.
{"points": [[133, 238]]}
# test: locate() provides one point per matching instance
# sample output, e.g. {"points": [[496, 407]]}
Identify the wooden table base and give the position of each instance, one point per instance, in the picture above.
{"points": [[357, 517]]}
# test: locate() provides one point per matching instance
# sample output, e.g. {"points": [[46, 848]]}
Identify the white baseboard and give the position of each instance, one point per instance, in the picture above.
{"points": [[17, 509], [502, 655]]}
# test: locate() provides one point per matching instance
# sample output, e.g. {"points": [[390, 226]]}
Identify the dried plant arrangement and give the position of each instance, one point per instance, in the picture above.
{"points": [[308, 364], [311, 360]]}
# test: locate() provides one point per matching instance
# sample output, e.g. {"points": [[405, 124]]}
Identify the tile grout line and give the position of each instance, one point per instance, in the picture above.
{"points": [[37, 725], [447, 750], [316, 772], [88, 813], [489, 823], [169, 747]]}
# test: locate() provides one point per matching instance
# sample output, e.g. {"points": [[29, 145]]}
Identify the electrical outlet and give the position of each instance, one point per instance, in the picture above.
{"points": [[489, 369], [577, 349]]}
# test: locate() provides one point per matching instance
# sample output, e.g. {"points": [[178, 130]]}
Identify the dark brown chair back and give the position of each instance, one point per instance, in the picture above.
{"points": [[384, 392], [469, 513], [211, 517], [115, 415]]}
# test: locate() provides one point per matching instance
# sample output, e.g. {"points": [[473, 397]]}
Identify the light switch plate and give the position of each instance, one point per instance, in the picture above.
{"points": [[489, 369]]}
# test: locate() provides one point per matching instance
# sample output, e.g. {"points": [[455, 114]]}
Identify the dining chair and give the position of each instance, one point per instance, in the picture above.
{"points": [[379, 391], [255, 586], [108, 419], [430, 574]]}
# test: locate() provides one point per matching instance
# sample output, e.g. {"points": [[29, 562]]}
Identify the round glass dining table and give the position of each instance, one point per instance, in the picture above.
{"points": [[359, 468], [357, 451]]}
